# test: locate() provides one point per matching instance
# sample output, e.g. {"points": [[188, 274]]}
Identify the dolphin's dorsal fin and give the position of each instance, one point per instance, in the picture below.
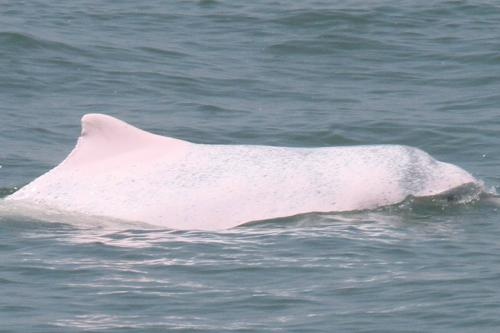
{"points": [[104, 137]]}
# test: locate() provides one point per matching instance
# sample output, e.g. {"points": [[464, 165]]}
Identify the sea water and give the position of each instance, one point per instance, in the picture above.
{"points": [[286, 73]]}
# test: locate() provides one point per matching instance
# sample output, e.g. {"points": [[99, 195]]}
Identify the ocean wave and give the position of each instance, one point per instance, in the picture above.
{"points": [[11, 40]]}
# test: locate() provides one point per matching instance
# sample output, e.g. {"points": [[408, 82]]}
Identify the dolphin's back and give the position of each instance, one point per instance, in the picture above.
{"points": [[120, 171]]}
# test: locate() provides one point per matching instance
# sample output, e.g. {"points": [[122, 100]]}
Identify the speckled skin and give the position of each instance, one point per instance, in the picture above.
{"points": [[119, 171]]}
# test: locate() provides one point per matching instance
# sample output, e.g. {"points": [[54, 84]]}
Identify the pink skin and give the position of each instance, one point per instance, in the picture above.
{"points": [[119, 171]]}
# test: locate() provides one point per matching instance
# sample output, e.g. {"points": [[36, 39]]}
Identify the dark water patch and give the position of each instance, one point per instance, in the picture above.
{"points": [[208, 3], [157, 80], [327, 44], [240, 19], [14, 309], [469, 104], [44, 135], [45, 272], [217, 111], [151, 15], [5, 191], [23, 41], [462, 81], [161, 52], [447, 9], [486, 56], [326, 19], [321, 138], [4, 281]]}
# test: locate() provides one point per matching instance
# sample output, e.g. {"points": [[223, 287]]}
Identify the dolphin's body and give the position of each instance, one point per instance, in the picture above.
{"points": [[119, 171]]}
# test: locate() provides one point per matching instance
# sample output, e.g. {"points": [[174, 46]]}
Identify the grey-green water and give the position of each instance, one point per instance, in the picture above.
{"points": [[309, 73]]}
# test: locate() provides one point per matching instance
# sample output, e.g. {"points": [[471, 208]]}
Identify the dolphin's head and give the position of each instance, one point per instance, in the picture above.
{"points": [[450, 181]]}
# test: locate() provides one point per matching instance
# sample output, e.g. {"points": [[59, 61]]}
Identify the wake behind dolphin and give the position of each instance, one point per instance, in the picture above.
{"points": [[119, 171]]}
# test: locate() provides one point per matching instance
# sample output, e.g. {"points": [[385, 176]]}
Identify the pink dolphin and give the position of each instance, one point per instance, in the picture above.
{"points": [[119, 171]]}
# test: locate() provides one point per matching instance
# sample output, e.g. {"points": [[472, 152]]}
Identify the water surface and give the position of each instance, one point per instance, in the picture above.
{"points": [[314, 73]]}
